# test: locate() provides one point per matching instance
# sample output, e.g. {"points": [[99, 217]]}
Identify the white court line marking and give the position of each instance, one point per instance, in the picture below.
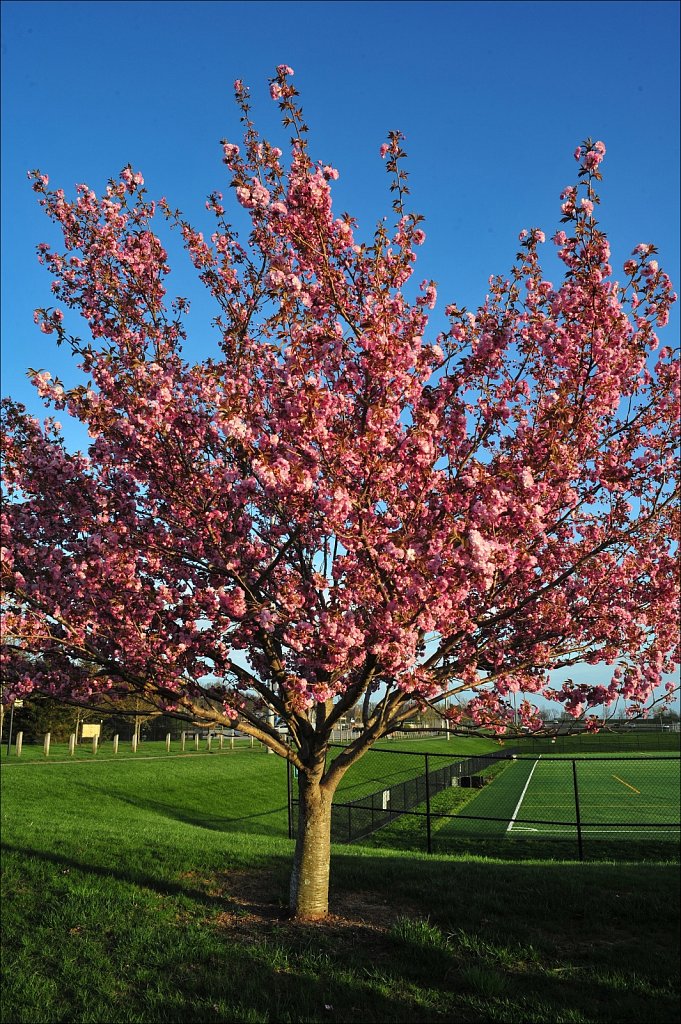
{"points": [[600, 831], [522, 796]]}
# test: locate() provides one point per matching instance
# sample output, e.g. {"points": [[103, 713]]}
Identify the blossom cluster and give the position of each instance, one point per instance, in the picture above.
{"points": [[337, 506]]}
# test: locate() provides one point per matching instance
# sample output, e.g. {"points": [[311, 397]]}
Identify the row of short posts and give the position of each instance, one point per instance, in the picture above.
{"points": [[209, 741], [134, 743]]}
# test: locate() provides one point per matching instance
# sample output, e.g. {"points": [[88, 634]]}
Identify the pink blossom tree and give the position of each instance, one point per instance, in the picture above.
{"points": [[338, 513]]}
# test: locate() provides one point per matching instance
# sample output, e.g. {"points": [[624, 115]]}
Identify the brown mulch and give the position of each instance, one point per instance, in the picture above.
{"points": [[253, 903]]}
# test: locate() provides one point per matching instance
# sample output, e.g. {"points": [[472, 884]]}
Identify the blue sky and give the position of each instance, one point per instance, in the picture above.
{"points": [[492, 97]]}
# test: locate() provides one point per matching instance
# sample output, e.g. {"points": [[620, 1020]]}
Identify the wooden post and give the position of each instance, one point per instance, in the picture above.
{"points": [[95, 744], [222, 740], [115, 744], [72, 744], [196, 740], [183, 739], [20, 741], [231, 742], [208, 743], [252, 742], [11, 721], [46, 744], [134, 743], [167, 743]]}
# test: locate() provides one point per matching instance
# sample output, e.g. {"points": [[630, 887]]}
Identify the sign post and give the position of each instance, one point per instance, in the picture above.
{"points": [[18, 704]]}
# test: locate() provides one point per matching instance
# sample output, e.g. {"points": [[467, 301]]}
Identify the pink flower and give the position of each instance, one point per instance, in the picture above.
{"points": [[41, 179], [592, 160], [319, 490], [253, 196]]}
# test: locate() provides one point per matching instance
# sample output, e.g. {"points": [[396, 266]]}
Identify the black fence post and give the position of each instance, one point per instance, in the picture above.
{"points": [[428, 834], [577, 813], [289, 798]]}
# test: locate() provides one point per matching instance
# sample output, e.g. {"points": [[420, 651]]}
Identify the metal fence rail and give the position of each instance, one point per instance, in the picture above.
{"points": [[627, 803], [354, 819]]}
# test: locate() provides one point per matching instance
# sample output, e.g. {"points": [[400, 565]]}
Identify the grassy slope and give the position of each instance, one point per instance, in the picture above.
{"points": [[153, 891]]}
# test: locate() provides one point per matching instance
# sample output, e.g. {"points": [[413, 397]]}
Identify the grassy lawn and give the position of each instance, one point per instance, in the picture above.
{"points": [[105, 752], [154, 888]]}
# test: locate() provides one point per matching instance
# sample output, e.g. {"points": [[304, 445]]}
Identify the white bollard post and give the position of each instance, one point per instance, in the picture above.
{"points": [[20, 743], [222, 740], [46, 744], [72, 744], [95, 744], [183, 739], [208, 743], [252, 742], [231, 741], [167, 743], [115, 744], [196, 740]]}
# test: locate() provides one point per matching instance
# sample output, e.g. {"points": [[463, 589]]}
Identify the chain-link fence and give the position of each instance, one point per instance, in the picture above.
{"points": [[620, 737], [617, 805]]}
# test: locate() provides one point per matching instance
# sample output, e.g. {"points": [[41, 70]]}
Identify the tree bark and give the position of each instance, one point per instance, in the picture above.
{"points": [[309, 898]]}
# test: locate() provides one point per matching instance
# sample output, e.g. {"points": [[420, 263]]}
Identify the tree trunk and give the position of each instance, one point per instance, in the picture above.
{"points": [[310, 875]]}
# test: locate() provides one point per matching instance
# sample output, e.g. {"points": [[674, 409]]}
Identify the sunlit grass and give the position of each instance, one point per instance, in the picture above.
{"points": [[155, 890]]}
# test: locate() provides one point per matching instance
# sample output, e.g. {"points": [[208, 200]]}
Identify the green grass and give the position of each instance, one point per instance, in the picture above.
{"points": [[32, 752], [154, 890], [637, 741], [620, 797], [388, 765], [617, 795]]}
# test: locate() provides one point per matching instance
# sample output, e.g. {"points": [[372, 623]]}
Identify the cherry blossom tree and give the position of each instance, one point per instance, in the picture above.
{"points": [[338, 513]]}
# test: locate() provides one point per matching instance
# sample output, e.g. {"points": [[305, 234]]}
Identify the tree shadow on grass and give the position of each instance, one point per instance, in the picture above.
{"points": [[409, 939], [133, 876], [272, 821], [234, 956]]}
